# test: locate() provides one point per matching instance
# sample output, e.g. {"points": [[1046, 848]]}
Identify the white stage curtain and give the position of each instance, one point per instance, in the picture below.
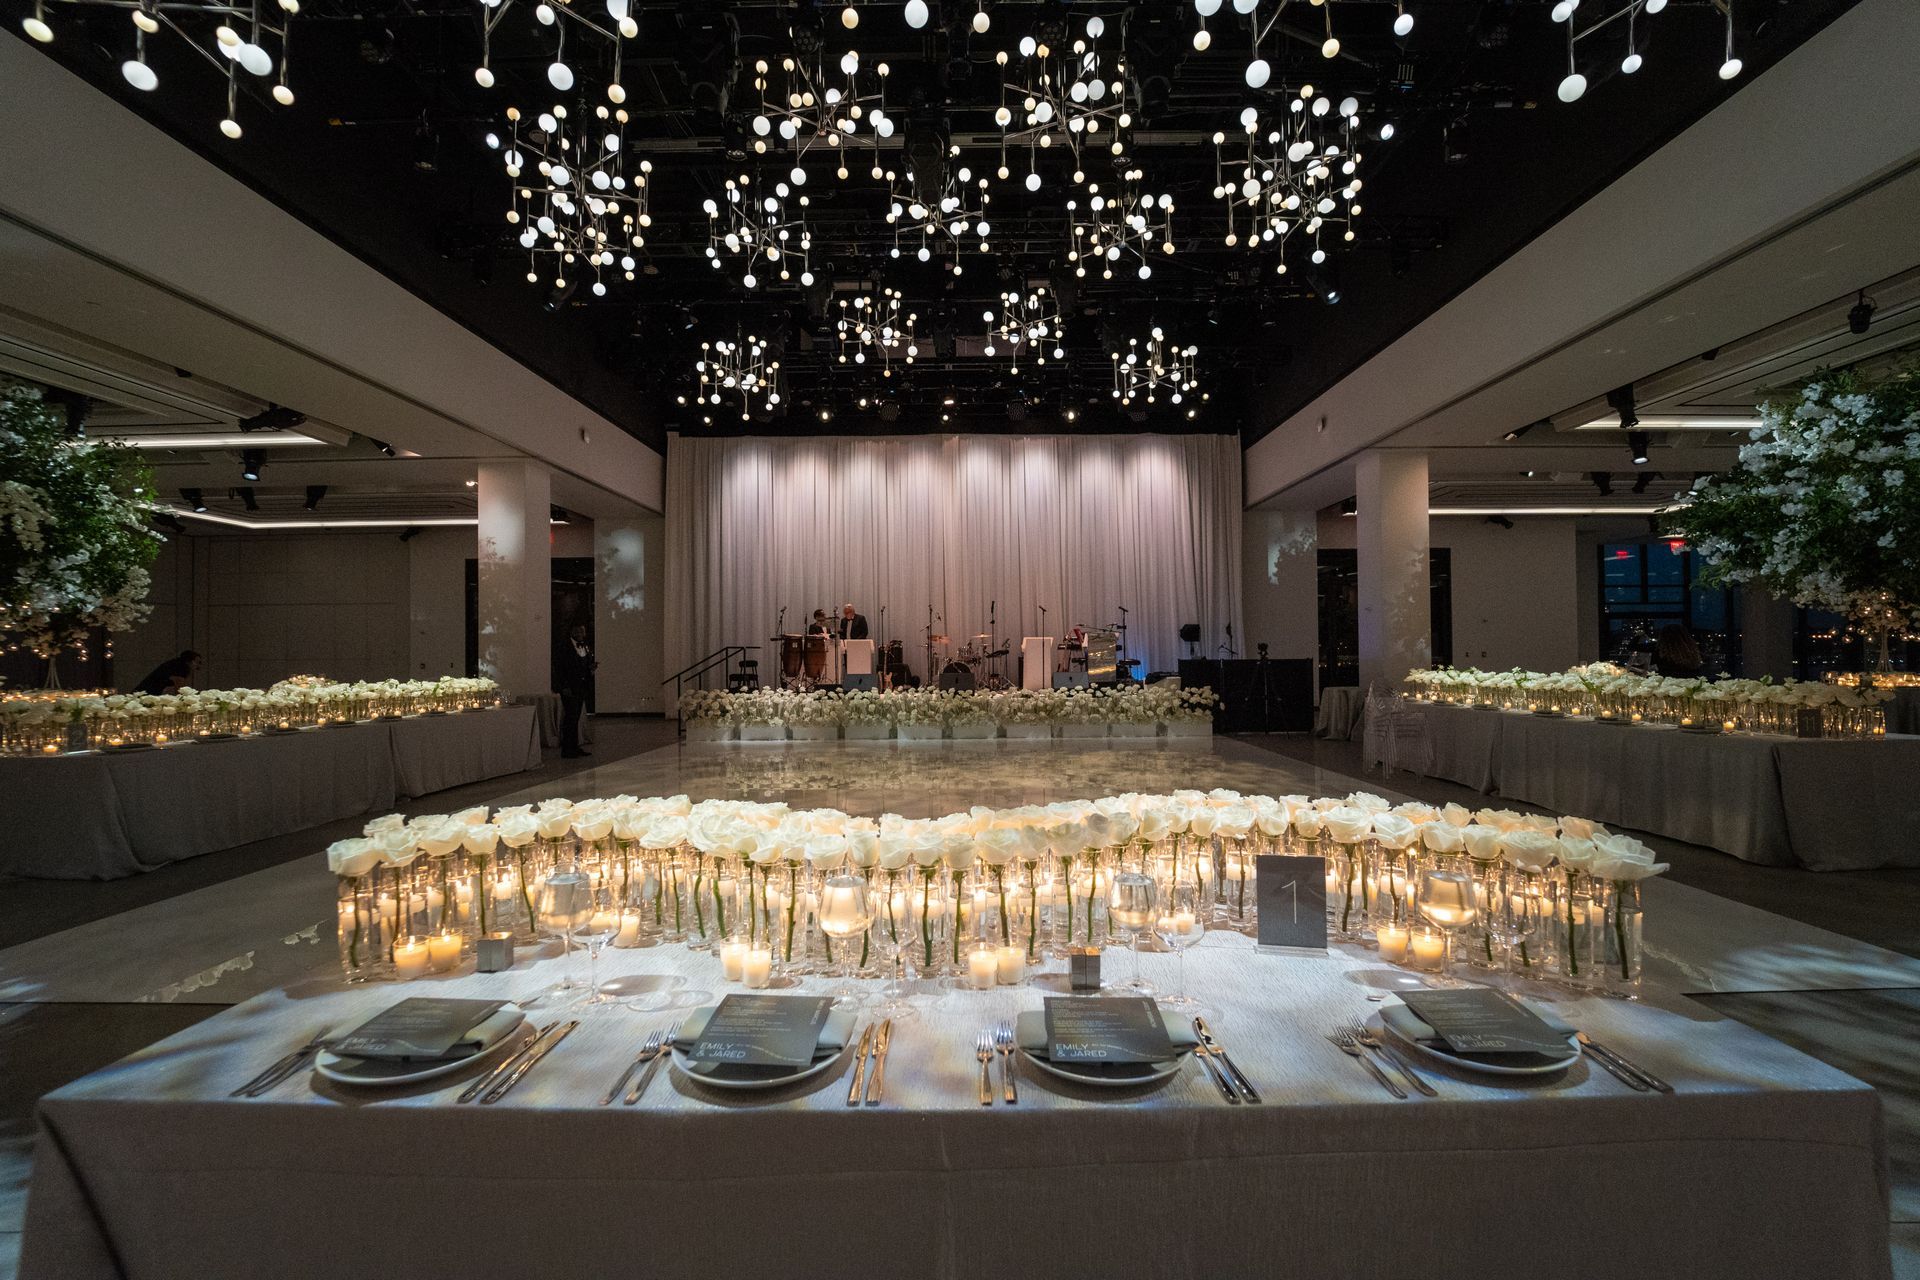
{"points": [[960, 526]]}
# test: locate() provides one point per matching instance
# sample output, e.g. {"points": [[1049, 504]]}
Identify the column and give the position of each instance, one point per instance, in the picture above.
{"points": [[629, 560], [1766, 635], [516, 576], [1390, 511]]}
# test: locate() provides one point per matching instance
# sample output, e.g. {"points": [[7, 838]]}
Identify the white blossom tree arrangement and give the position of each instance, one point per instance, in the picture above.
{"points": [[1823, 506], [75, 536]]}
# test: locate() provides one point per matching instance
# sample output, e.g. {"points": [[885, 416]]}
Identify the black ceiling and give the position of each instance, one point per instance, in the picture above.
{"points": [[384, 153]]}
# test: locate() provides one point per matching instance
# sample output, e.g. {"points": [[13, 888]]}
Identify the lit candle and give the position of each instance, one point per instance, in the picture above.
{"points": [[1429, 950], [159, 738], [1393, 941], [443, 951], [434, 899], [411, 958], [1183, 922], [503, 887], [629, 935], [1686, 722], [983, 969], [1634, 718], [1010, 965], [732, 954], [756, 967], [1236, 867], [51, 749], [1727, 726]]}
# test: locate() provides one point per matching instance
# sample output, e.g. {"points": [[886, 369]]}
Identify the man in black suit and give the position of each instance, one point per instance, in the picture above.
{"points": [[573, 667], [853, 626]]}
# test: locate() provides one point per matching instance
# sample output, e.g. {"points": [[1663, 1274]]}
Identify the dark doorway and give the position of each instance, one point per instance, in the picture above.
{"points": [[1340, 613], [572, 602]]}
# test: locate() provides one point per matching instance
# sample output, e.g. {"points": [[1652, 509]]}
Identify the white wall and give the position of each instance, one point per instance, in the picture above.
{"points": [[1516, 592], [437, 602], [629, 630], [1280, 596]]}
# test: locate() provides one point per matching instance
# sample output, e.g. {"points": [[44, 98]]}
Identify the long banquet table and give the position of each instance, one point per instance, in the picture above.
{"points": [[1826, 804], [102, 815], [1764, 1163]]}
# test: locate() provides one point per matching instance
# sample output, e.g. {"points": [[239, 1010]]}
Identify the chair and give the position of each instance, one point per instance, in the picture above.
{"points": [[1395, 733], [746, 678]]}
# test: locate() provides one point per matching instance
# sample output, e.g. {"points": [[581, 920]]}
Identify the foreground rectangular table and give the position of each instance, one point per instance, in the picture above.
{"points": [[1827, 804], [1765, 1163], [121, 814]]}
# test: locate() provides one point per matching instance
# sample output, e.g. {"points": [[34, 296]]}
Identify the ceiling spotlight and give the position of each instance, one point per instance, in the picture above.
{"points": [[1620, 399], [194, 499], [1640, 443], [1861, 315], [273, 418], [315, 492], [1502, 521], [247, 499], [1603, 481], [381, 445], [252, 463]]}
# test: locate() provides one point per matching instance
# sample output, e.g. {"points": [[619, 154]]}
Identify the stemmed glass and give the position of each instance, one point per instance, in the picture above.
{"points": [[564, 906], [896, 912], [1447, 900], [1180, 924], [845, 912], [1130, 908], [601, 923]]}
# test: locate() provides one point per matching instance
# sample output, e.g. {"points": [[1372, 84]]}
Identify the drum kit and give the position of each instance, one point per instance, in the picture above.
{"points": [[961, 669]]}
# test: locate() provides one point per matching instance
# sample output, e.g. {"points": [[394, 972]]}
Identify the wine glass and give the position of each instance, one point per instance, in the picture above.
{"points": [[898, 929], [565, 904], [1180, 924], [845, 912], [1130, 908], [602, 922], [1447, 900]]}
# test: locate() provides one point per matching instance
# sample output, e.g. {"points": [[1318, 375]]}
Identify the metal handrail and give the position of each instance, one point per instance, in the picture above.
{"points": [[698, 669]]}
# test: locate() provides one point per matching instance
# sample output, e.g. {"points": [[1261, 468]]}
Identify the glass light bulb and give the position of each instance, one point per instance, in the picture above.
{"points": [[1730, 68], [1202, 40], [1630, 63], [483, 76], [283, 95], [1572, 87], [916, 13], [1403, 24], [39, 30], [231, 128], [1258, 73], [849, 17], [139, 75], [560, 76]]}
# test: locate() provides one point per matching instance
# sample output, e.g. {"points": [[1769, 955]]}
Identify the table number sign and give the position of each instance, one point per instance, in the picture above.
{"points": [[1121, 1029], [1292, 893], [764, 1031]]}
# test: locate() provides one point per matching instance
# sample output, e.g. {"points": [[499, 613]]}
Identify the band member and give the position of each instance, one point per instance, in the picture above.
{"points": [[818, 627], [853, 626]]}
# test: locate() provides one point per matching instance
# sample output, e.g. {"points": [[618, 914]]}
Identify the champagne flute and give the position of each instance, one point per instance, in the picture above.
{"points": [[1130, 908], [1180, 924]]}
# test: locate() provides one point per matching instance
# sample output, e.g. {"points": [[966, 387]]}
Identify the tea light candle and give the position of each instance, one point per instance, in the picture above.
{"points": [[629, 934], [1726, 726], [983, 969], [756, 967], [159, 739], [1634, 718], [503, 887], [1010, 966], [732, 955], [443, 951], [1429, 950], [1394, 940], [1236, 868], [411, 958], [1686, 722], [1183, 922], [51, 749]]}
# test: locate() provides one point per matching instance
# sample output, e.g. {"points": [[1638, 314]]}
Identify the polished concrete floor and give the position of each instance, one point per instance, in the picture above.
{"points": [[90, 972]]}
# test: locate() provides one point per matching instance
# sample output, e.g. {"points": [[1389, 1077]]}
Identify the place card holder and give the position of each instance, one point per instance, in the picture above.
{"points": [[493, 952], [1083, 969]]}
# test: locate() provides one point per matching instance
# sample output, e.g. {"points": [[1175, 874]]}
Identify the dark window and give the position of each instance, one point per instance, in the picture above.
{"points": [[1645, 586], [572, 602], [1340, 613]]}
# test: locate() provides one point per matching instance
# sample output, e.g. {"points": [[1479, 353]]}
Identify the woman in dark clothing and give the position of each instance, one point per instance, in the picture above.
{"points": [[1675, 652]]}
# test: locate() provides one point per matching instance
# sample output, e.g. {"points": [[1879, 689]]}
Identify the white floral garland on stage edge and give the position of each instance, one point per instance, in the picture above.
{"points": [[32, 724], [1574, 882], [1146, 705]]}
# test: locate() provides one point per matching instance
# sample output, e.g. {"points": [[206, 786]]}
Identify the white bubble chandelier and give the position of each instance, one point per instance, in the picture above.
{"points": [[876, 326], [948, 223], [808, 112], [1026, 323], [1573, 86], [1109, 229], [1259, 70], [578, 205], [1301, 174], [765, 235], [560, 17], [241, 37], [1148, 370], [746, 370], [1078, 100]]}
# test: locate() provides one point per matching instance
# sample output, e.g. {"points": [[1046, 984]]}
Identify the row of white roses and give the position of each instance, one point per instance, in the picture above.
{"points": [[281, 699], [1587, 680], [1127, 704], [827, 839]]}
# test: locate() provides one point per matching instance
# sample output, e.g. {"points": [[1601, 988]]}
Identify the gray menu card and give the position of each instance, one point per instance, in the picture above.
{"points": [[419, 1027], [763, 1031], [1123, 1029], [1478, 1020]]}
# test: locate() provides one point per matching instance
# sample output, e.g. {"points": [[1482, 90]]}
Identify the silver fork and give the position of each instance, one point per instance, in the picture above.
{"points": [[648, 1048], [1400, 1064], [667, 1041], [983, 1050], [1003, 1040], [1344, 1040]]}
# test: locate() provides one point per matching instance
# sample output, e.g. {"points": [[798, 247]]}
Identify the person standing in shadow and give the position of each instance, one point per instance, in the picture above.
{"points": [[172, 675], [1677, 653], [573, 668]]}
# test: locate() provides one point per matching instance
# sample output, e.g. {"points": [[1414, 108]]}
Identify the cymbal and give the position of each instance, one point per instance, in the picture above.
{"points": [[983, 636]]}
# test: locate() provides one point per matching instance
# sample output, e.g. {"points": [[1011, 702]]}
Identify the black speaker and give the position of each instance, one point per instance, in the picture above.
{"points": [[1256, 696], [867, 682], [1070, 680], [1190, 632]]}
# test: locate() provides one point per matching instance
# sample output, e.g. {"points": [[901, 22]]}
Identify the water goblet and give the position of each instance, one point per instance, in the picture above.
{"points": [[564, 905], [845, 912], [1181, 923], [1447, 900], [1130, 908]]}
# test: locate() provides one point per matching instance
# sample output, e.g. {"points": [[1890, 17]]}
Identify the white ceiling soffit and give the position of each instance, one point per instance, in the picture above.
{"points": [[267, 305], [1763, 209]]}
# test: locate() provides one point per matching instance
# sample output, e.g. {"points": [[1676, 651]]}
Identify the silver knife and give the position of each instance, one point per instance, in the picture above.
{"points": [[280, 1070], [1205, 1033], [1215, 1072], [1645, 1076], [860, 1066], [877, 1083], [505, 1065], [499, 1091], [649, 1049]]}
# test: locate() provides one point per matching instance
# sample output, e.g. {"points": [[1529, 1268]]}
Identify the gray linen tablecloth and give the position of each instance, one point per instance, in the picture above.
{"points": [[1765, 1163], [546, 706], [1341, 710], [1825, 804], [100, 816]]}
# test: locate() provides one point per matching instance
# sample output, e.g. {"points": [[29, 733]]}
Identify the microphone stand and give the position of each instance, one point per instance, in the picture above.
{"points": [[886, 672], [929, 675], [1120, 663]]}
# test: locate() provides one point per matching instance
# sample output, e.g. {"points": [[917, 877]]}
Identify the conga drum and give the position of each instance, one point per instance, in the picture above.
{"points": [[816, 657], [791, 656]]}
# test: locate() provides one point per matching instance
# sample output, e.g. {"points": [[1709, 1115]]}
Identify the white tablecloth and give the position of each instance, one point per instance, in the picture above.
{"points": [[100, 816], [1341, 710], [1765, 1163], [1827, 804]]}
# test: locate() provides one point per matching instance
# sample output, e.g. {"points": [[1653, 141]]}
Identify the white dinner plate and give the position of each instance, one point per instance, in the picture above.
{"points": [[1384, 1030], [1152, 1072], [683, 1065], [376, 1072]]}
